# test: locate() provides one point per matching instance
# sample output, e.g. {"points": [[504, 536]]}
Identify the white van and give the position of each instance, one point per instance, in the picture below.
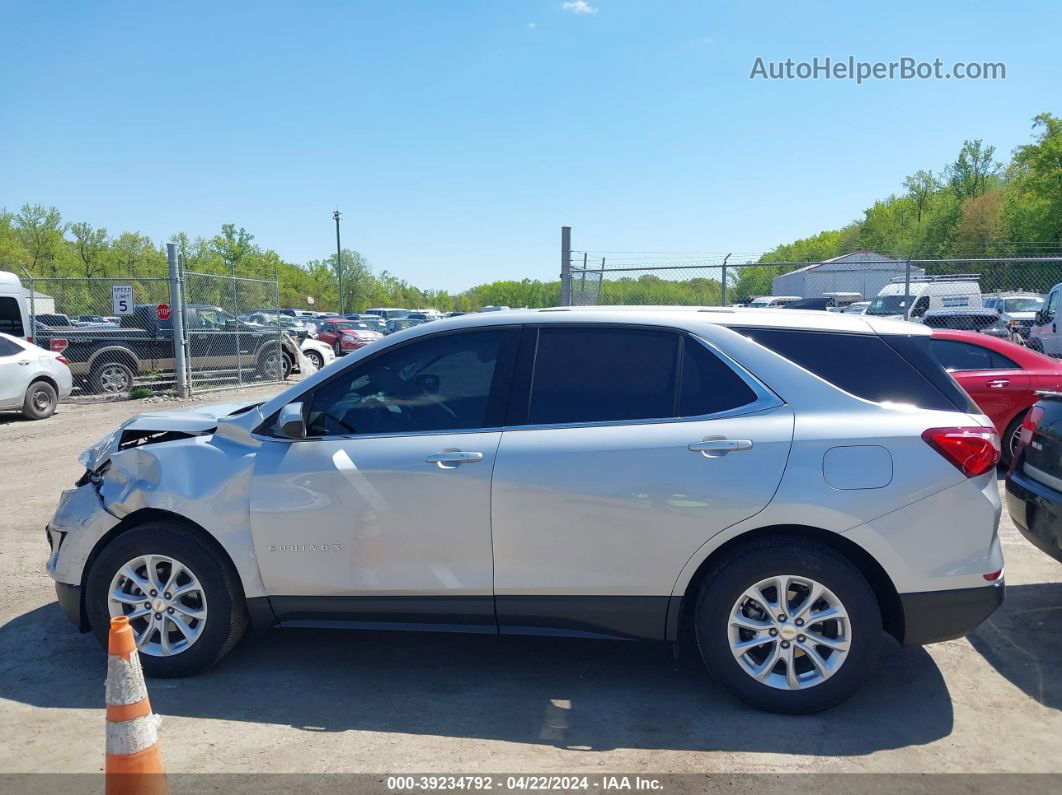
{"points": [[14, 315], [936, 293], [773, 301]]}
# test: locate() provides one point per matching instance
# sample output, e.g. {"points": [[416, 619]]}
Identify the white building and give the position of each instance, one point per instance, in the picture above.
{"points": [[864, 272]]}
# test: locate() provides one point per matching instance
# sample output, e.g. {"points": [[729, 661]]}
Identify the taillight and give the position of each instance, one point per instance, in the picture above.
{"points": [[61, 360], [1030, 423], [973, 451], [58, 345]]}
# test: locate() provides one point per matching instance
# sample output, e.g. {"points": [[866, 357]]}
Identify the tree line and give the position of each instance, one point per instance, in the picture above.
{"points": [[972, 206]]}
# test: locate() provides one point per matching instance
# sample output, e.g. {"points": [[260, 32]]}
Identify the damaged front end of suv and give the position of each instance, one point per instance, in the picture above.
{"points": [[192, 465]]}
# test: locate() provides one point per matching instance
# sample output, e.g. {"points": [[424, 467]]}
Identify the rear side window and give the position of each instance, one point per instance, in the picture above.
{"points": [[8, 348], [594, 374], [866, 366], [709, 385], [603, 374], [11, 317], [955, 355]]}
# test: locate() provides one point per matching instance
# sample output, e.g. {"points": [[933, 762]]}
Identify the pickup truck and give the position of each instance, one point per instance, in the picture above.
{"points": [[107, 360]]}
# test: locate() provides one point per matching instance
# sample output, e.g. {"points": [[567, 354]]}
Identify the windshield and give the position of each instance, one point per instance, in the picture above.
{"points": [[1026, 304], [887, 305], [353, 324]]}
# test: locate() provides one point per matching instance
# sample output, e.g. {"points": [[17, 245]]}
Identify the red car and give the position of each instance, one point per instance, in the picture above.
{"points": [[1001, 377], [346, 335]]}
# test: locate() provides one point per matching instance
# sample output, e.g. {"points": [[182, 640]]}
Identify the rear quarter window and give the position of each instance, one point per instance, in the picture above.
{"points": [[869, 367]]}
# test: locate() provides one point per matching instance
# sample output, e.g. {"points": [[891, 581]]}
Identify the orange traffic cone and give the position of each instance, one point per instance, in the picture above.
{"points": [[134, 762]]}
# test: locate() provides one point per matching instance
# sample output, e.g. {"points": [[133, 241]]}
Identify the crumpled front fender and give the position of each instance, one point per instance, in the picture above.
{"points": [[205, 479]]}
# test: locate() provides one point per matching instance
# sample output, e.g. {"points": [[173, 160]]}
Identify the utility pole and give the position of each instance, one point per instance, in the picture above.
{"points": [[339, 262]]}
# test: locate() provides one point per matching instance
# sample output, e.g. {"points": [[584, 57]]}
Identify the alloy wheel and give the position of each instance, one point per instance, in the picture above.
{"points": [[114, 379], [789, 632], [164, 602]]}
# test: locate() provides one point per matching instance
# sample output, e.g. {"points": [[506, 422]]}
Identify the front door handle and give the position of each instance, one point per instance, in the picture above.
{"points": [[453, 458], [998, 383], [718, 446], [23, 361]]}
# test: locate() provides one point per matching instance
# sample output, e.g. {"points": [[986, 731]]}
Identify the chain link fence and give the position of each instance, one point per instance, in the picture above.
{"points": [[120, 337], [1009, 297]]}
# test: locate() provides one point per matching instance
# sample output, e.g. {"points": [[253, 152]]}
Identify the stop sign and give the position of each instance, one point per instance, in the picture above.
{"points": [[162, 311]]}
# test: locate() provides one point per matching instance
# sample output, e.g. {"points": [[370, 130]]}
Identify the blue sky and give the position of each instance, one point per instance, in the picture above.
{"points": [[458, 135]]}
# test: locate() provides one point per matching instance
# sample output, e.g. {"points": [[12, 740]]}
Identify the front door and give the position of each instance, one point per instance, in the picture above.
{"points": [[16, 368], [636, 447], [382, 515]]}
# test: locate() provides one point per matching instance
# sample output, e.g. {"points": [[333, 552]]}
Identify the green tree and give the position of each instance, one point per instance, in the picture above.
{"points": [[91, 246], [40, 229]]}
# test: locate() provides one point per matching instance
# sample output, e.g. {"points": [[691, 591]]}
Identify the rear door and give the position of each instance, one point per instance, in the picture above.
{"points": [[997, 384], [626, 448]]}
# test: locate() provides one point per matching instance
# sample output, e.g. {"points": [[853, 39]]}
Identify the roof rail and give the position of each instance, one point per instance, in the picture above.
{"points": [[947, 277]]}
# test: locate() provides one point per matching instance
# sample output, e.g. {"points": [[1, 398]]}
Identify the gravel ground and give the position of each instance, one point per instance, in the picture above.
{"points": [[313, 701]]}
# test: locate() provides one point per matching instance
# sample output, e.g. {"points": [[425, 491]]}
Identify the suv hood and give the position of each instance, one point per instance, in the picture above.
{"points": [[191, 422]]}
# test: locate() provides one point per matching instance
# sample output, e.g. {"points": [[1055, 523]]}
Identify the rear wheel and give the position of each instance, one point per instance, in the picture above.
{"points": [[788, 626], [40, 401], [111, 377], [185, 606], [1011, 438]]}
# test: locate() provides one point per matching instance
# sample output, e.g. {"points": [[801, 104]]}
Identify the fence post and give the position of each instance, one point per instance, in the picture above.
{"points": [[236, 314], [177, 313], [907, 290], [33, 311], [722, 296], [566, 266]]}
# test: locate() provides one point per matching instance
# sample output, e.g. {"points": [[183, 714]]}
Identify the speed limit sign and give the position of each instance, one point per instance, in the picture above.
{"points": [[121, 299]]}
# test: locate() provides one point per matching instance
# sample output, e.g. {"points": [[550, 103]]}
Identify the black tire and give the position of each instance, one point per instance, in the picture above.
{"points": [[316, 359], [272, 365], [40, 401], [226, 605], [111, 377], [336, 348], [1006, 450], [781, 555]]}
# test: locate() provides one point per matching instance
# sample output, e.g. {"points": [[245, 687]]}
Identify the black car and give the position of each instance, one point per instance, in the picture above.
{"points": [[984, 321], [1034, 482]]}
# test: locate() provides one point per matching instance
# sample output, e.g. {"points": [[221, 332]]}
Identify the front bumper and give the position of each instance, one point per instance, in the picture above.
{"points": [[934, 616], [69, 598], [1036, 510]]}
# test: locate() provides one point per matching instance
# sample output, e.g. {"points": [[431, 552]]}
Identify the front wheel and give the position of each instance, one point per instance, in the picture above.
{"points": [[316, 359], [185, 606], [788, 626]]}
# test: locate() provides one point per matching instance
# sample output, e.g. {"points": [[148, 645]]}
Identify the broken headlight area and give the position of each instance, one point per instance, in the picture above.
{"points": [[97, 459]]}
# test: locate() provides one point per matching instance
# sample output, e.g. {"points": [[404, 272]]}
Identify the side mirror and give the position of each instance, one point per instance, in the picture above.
{"points": [[1041, 317], [428, 383], [290, 423]]}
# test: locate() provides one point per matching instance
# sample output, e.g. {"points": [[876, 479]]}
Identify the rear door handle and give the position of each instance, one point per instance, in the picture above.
{"points": [[998, 383], [453, 458], [718, 446]]}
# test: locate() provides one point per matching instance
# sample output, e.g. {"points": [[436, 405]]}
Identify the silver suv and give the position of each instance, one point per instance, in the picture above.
{"points": [[777, 488]]}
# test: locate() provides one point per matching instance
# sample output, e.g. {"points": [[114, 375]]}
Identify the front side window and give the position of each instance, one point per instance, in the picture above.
{"points": [[449, 382]]}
